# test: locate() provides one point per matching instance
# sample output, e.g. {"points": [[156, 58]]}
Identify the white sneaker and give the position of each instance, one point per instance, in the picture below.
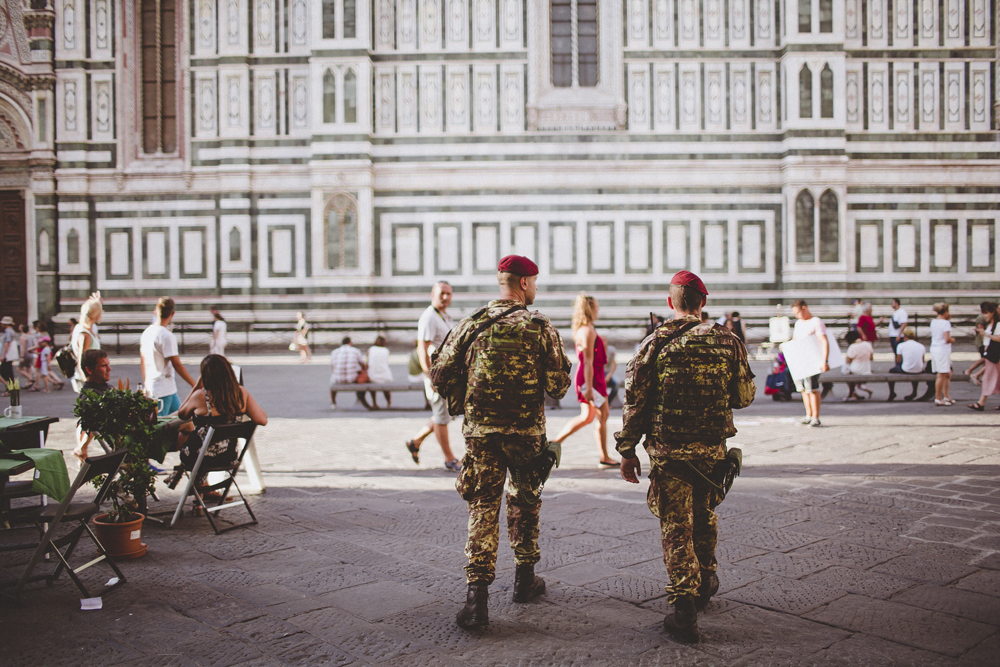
{"points": [[333, 406], [805, 420], [814, 423]]}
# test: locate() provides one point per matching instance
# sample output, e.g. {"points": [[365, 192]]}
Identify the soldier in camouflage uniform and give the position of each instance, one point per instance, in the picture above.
{"points": [[495, 366], [680, 394]]}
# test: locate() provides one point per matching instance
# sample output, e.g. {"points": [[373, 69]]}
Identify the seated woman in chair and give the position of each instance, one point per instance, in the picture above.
{"points": [[217, 398]]}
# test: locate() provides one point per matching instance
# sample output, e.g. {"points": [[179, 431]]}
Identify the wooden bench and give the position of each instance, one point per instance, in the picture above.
{"points": [[887, 377], [382, 386]]}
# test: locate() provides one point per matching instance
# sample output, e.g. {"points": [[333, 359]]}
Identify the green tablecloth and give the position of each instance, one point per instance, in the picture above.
{"points": [[8, 423], [52, 478]]}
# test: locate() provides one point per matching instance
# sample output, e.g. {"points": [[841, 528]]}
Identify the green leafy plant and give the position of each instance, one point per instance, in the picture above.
{"points": [[122, 419], [14, 389]]}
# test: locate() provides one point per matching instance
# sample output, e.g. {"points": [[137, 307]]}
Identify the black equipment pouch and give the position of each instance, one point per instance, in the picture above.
{"points": [[529, 479], [723, 474]]}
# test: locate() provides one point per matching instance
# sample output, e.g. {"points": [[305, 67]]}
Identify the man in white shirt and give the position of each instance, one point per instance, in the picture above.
{"points": [[433, 326], [806, 324], [346, 363], [158, 358], [910, 359], [897, 322], [11, 351]]}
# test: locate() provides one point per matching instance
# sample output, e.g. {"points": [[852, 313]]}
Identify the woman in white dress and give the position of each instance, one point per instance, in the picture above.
{"points": [[83, 338], [941, 340], [300, 341], [378, 369], [218, 344]]}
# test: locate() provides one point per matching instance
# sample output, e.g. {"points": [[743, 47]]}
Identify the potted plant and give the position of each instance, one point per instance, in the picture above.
{"points": [[123, 419]]}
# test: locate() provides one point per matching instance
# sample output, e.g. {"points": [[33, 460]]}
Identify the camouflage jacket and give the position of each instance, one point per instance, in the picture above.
{"points": [[683, 400], [509, 368]]}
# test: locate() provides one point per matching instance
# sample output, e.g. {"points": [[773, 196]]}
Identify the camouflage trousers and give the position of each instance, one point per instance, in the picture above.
{"points": [[688, 526], [481, 484]]}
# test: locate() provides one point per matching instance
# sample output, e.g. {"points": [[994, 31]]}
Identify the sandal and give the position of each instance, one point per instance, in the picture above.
{"points": [[414, 450], [610, 464], [81, 456], [976, 407], [453, 465]]}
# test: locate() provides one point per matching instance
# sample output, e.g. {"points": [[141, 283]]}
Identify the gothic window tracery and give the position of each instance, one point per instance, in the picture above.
{"points": [[817, 229], [350, 97], [158, 75], [329, 19], [829, 227], [805, 92], [574, 43], [329, 97], [805, 236], [826, 15], [341, 232], [805, 16], [826, 92], [235, 245]]}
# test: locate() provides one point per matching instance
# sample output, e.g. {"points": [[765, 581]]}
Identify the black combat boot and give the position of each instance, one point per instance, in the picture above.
{"points": [[476, 612], [709, 587], [527, 586], [682, 625]]}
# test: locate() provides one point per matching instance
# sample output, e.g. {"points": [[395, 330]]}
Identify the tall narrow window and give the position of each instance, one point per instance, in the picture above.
{"points": [[805, 232], [826, 15], [350, 97], [235, 245], [574, 36], [829, 228], [826, 92], [329, 19], [73, 247], [158, 67], [329, 98], [342, 233], [805, 15], [805, 92], [350, 19]]}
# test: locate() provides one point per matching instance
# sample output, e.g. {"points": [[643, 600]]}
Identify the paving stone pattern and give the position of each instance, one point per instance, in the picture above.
{"points": [[870, 541]]}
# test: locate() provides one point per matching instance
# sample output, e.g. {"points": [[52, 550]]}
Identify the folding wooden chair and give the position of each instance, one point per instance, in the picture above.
{"points": [[67, 512], [232, 433]]}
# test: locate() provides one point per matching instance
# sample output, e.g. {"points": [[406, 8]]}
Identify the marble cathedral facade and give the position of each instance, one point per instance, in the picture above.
{"points": [[278, 155]]}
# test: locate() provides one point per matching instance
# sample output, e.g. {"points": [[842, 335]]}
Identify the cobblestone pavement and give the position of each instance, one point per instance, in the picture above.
{"points": [[873, 540]]}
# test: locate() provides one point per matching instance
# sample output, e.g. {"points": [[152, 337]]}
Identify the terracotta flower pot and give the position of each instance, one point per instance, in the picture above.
{"points": [[122, 541]]}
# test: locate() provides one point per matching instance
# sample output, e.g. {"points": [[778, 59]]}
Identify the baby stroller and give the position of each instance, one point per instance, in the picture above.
{"points": [[779, 383]]}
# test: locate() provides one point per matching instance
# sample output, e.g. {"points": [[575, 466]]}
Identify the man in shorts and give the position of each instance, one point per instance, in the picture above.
{"points": [[432, 328], [807, 324], [159, 359]]}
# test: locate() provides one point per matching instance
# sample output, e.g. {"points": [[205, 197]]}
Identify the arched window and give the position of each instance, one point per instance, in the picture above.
{"points": [[574, 42], [805, 92], [826, 15], [73, 247], [329, 19], [350, 19], [329, 98], [805, 15], [350, 97], [235, 245], [341, 229], [829, 228], [826, 92], [805, 232]]}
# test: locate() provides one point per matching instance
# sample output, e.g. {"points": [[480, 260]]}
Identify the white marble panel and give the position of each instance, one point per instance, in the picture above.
{"points": [[512, 98], [715, 97], [206, 23], [299, 107], [384, 25], [79, 229], [943, 245], [234, 102], [689, 16], [637, 35], [101, 29], [751, 246], [205, 98], [242, 260], [739, 98], [298, 21], [663, 24], [406, 94], [601, 245], [676, 238], [407, 248], [511, 24], [713, 23], [448, 250], [193, 260], [979, 94], [878, 23], [70, 37], [869, 251], [638, 248], [232, 31], [265, 98], [954, 23], [457, 82], [524, 241], [765, 20], [71, 109], [664, 99], [457, 24], [852, 96], [562, 248], [980, 240], [928, 21], [954, 96], [928, 95], [156, 253], [767, 106], [44, 249], [904, 113], [406, 25], [281, 251], [714, 246], [906, 246], [264, 38], [431, 99], [852, 23], [739, 23], [690, 102], [119, 254], [429, 25], [385, 99], [902, 23], [979, 23], [638, 97], [878, 96], [487, 247], [484, 25], [484, 96]]}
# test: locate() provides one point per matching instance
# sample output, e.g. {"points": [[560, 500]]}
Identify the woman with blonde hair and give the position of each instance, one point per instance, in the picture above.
{"points": [[591, 386], [84, 337], [941, 340], [991, 341]]}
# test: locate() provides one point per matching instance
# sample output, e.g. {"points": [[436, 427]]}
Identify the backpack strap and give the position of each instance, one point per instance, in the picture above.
{"points": [[675, 335], [479, 330]]}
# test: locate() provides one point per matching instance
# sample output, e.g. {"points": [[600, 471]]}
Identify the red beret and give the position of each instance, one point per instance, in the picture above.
{"points": [[519, 266], [688, 278]]}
